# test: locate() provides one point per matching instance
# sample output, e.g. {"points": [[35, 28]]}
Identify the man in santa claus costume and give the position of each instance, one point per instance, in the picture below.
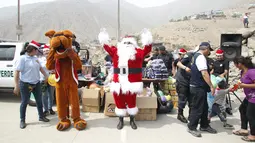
{"points": [[127, 60]]}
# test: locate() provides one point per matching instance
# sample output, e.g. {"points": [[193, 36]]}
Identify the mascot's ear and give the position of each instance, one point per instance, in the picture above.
{"points": [[68, 33], [50, 33]]}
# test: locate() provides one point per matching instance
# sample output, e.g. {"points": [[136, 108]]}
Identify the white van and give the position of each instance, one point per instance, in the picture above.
{"points": [[9, 53]]}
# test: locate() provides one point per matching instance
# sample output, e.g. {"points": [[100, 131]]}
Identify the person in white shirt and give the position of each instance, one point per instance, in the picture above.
{"points": [[200, 84], [27, 80], [47, 90], [245, 20]]}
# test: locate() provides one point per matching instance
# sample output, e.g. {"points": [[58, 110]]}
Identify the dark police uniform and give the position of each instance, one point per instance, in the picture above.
{"points": [[198, 90], [182, 84]]}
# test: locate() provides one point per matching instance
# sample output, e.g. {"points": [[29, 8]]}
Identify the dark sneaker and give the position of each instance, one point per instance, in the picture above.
{"points": [[182, 118], [209, 130], [228, 126], [46, 113], [23, 124], [195, 133], [52, 112], [228, 110], [44, 119]]}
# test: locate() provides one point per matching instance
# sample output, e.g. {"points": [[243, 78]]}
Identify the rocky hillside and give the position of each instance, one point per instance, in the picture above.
{"points": [[192, 32], [86, 18]]}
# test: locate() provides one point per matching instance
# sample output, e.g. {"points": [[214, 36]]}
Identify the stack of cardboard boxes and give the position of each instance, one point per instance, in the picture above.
{"points": [[147, 106], [93, 101]]}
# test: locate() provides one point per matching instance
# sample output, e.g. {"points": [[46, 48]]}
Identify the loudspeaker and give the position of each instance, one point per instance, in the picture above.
{"points": [[231, 44]]}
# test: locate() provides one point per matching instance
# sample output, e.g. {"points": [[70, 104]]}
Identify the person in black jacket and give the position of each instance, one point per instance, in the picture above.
{"points": [[167, 58], [182, 85], [76, 45]]}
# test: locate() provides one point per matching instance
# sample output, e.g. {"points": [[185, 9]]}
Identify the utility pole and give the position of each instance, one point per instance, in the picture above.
{"points": [[18, 27], [118, 31]]}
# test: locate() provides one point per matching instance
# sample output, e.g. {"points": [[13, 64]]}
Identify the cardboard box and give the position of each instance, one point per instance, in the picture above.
{"points": [[91, 100], [173, 93], [147, 108], [175, 101], [109, 108]]}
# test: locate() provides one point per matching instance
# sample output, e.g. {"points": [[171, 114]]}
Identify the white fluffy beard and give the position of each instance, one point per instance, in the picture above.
{"points": [[125, 53]]}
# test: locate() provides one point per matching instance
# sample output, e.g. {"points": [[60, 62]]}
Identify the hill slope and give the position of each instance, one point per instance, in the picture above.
{"points": [[86, 18]]}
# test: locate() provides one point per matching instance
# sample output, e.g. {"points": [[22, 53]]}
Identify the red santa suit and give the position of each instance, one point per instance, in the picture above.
{"points": [[127, 82]]}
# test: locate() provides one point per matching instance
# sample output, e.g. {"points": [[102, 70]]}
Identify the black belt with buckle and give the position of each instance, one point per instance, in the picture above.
{"points": [[130, 70]]}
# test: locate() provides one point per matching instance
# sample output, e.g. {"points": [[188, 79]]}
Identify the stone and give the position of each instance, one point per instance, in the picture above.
{"points": [[250, 53], [253, 60], [245, 51]]}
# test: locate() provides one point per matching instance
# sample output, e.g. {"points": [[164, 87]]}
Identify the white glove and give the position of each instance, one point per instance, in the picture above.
{"points": [[103, 37], [146, 37]]}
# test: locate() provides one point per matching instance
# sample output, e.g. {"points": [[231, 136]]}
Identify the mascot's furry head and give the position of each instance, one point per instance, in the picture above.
{"points": [[60, 41]]}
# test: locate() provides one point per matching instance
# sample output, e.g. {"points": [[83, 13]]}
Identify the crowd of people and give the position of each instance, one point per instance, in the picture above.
{"points": [[193, 72], [202, 83]]}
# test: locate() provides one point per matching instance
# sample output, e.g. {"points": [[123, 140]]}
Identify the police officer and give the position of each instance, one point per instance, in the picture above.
{"points": [[182, 85], [200, 84]]}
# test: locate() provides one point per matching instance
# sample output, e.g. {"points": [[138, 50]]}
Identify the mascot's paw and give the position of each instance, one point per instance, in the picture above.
{"points": [[146, 37], [63, 125], [71, 54], [103, 37], [80, 124]]}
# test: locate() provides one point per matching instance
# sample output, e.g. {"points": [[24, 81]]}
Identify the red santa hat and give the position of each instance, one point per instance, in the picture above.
{"points": [[35, 44], [46, 47], [182, 51], [130, 39], [219, 52]]}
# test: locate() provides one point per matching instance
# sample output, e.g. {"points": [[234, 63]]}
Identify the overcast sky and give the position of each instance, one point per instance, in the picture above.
{"points": [[141, 3]]}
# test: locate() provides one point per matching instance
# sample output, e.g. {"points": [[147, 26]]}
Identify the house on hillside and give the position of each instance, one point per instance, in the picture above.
{"points": [[218, 13]]}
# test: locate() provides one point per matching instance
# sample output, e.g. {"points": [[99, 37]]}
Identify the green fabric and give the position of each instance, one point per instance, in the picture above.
{"points": [[32, 97]]}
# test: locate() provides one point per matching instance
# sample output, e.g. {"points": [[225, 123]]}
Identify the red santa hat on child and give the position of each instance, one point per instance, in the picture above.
{"points": [[182, 51], [46, 47], [219, 52], [35, 44]]}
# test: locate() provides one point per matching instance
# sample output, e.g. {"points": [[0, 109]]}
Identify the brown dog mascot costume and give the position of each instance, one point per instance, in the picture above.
{"points": [[65, 62]]}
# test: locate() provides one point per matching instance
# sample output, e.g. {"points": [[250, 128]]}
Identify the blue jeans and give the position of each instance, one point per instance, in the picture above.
{"points": [[25, 96], [47, 97], [210, 100]]}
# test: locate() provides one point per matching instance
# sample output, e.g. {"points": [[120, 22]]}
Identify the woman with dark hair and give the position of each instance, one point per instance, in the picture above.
{"points": [[27, 80], [247, 108]]}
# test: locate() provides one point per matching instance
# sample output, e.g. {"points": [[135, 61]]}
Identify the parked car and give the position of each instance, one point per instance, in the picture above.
{"points": [[9, 54]]}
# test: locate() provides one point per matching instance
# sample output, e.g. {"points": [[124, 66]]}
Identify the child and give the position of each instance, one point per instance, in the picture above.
{"points": [[218, 104]]}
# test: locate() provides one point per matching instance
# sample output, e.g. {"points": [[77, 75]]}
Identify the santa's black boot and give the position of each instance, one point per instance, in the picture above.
{"points": [[132, 122], [121, 123]]}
